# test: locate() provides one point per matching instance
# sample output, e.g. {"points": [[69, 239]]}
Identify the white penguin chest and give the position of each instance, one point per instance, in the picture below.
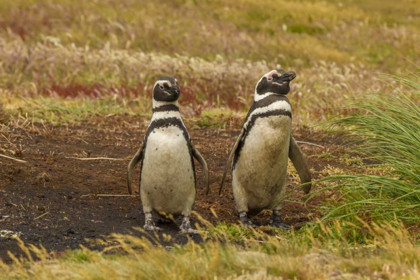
{"points": [[264, 156], [167, 159], [167, 146], [268, 137]]}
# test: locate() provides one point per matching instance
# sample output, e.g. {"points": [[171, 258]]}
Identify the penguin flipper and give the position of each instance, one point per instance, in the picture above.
{"points": [[136, 159], [203, 164], [232, 152], [299, 161]]}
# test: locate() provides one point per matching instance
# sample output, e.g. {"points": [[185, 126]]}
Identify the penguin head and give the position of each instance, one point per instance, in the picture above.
{"points": [[274, 82], [166, 89]]}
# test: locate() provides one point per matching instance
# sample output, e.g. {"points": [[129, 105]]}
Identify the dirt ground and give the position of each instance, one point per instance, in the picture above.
{"points": [[51, 199]]}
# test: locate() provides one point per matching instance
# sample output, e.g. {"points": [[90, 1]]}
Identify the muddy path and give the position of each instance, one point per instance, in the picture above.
{"points": [[50, 199]]}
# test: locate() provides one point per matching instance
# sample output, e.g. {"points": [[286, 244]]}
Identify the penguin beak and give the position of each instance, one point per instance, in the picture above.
{"points": [[287, 77], [175, 90]]}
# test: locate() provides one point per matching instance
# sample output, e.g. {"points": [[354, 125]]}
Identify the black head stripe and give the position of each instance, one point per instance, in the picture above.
{"points": [[166, 108], [264, 86], [276, 81], [164, 90], [281, 71], [266, 102], [166, 122], [252, 119], [163, 95]]}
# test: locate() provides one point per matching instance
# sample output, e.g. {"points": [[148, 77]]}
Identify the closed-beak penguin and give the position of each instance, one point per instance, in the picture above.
{"points": [[167, 176], [260, 153]]}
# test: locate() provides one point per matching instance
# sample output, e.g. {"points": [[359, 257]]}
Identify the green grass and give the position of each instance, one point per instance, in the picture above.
{"points": [[385, 128], [57, 111]]}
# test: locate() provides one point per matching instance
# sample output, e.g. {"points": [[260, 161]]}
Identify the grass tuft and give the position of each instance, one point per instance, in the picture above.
{"points": [[385, 128]]}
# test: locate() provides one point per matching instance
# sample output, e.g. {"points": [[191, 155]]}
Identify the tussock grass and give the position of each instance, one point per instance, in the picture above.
{"points": [[390, 253], [386, 129]]}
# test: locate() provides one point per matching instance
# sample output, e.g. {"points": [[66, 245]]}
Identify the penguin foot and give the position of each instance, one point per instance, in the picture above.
{"points": [[149, 225], [245, 221], [188, 231], [152, 227], [277, 221], [249, 224], [186, 227]]}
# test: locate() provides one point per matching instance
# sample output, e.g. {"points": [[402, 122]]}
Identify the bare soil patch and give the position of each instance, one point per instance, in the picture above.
{"points": [[45, 199]]}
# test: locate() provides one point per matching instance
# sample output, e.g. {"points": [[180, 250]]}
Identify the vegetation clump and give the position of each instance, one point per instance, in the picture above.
{"points": [[385, 128]]}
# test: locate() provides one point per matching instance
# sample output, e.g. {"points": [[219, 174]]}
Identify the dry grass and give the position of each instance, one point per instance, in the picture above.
{"points": [[218, 50], [284, 32], [66, 60], [121, 82], [390, 253]]}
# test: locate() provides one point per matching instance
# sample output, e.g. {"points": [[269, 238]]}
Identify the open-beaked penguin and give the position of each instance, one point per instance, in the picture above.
{"points": [[167, 176], [260, 153]]}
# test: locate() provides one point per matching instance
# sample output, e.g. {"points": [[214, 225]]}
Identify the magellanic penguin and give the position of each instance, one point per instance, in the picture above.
{"points": [[260, 153], [167, 176]]}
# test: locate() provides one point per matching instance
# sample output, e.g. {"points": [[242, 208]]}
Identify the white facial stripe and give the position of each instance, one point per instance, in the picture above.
{"points": [[162, 82], [161, 103], [271, 73], [258, 97], [278, 105], [166, 115]]}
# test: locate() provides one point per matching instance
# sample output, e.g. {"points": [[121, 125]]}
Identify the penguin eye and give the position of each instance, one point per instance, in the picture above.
{"points": [[270, 78], [161, 86]]}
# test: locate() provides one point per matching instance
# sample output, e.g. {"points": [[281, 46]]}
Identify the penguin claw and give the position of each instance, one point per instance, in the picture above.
{"points": [[186, 227], [152, 228], [246, 223], [277, 221], [188, 231]]}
